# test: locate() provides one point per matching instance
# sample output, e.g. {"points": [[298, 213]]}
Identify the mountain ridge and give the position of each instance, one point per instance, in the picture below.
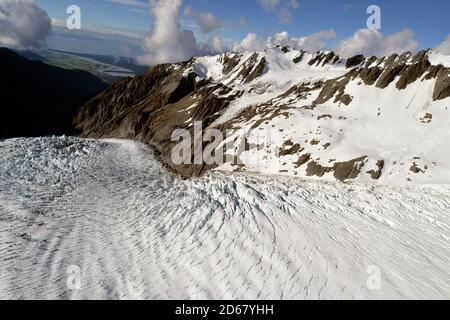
{"points": [[288, 91], [39, 99]]}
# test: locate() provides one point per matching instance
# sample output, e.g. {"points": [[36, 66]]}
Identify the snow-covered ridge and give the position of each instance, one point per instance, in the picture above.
{"points": [[300, 114], [287, 60]]}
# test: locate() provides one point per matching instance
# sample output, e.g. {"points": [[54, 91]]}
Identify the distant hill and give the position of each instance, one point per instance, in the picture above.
{"points": [[38, 99], [108, 68], [123, 62]]}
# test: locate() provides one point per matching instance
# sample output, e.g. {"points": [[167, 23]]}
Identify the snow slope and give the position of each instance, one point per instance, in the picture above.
{"points": [[405, 128], [137, 232]]}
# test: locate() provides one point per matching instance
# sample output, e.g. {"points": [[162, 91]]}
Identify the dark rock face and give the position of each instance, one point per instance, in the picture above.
{"points": [[404, 69], [342, 171], [230, 62], [250, 70], [299, 58], [335, 88], [376, 174], [38, 99], [149, 108], [355, 61], [321, 59], [442, 88]]}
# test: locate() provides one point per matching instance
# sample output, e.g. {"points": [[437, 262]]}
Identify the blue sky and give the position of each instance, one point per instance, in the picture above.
{"points": [[427, 19]]}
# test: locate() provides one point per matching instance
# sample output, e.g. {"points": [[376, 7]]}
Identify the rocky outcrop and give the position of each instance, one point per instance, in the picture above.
{"points": [[323, 58], [342, 171], [251, 69], [442, 88], [335, 88], [149, 108], [404, 70], [355, 61], [376, 174]]}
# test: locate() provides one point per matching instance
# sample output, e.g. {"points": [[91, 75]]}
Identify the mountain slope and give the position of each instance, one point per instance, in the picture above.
{"points": [[292, 113], [39, 99]]}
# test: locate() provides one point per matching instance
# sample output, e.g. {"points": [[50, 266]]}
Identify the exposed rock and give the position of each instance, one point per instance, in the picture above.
{"points": [[324, 116], [150, 107], [323, 58], [287, 150], [406, 69], [345, 99], [355, 61], [304, 158], [370, 75], [299, 58], [442, 88], [342, 171], [376, 174], [348, 170], [415, 168], [333, 87], [412, 73], [250, 70], [427, 118], [389, 75], [315, 169], [301, 91], [230, 62], [370, 61]]}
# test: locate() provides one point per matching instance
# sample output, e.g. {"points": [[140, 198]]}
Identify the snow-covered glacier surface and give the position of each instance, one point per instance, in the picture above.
{"points": [[135, 231]]}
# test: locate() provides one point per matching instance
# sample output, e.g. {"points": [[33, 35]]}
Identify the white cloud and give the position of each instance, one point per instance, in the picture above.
{"points": [[23, 25], [372, 42], [315, 41], [250, 43], [168, 42], [269, 4], [444, 47], [242, 22], [207, 21], [347, 7], [294, 4], [312, 42], [282, 8], [215, 45], [131, 3]]}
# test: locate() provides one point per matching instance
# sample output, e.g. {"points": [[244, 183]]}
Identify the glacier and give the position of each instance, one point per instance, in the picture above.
{"points": [[136, 231]]}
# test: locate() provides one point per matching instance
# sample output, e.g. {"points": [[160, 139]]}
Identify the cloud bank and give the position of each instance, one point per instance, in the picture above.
{"points": [[372, 42], [282, 8], [313, 42], [168, 42], [23, 25], [444, 47], [207, 21]]}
